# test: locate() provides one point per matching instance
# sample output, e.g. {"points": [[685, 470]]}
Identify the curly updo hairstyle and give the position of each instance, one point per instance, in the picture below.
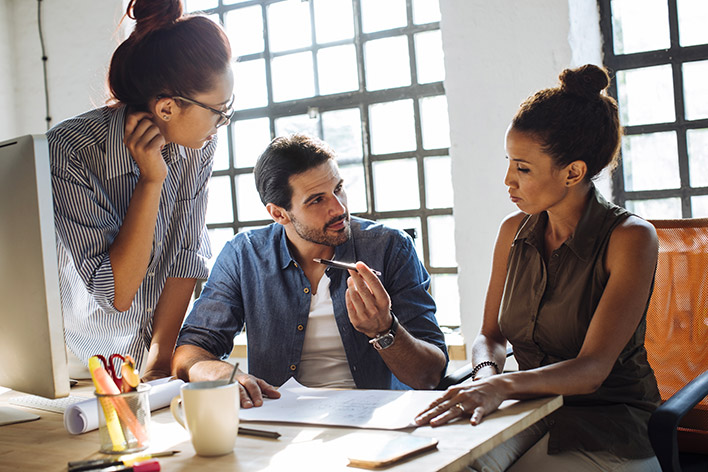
{"points": [[576, 120], [166, 54]]}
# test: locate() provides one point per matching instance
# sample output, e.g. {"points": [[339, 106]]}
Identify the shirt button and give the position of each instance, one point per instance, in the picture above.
{"points": [[295, 264], [293, 367], [306, 290], [151, 274], [149, 310], [300, 327], [159, 243]]}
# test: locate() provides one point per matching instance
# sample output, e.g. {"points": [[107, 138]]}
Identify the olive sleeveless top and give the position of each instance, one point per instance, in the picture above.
{"points": [[545, 313]]}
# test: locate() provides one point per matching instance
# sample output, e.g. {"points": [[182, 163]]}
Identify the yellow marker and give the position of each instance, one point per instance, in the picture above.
{"points": [[112, 423]]}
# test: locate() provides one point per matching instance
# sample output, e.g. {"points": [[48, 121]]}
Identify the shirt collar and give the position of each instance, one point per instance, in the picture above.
{"points": [[586, 233], [118, 159]]}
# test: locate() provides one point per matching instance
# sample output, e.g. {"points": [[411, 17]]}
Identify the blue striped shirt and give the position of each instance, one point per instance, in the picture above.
{"points": [[93, 178]]}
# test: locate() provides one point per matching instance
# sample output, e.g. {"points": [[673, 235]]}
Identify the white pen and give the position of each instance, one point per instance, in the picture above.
{"points": [[341, 265]]}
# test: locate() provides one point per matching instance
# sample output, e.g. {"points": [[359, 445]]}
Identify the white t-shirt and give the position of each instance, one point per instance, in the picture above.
{"points": [[323, 362]]}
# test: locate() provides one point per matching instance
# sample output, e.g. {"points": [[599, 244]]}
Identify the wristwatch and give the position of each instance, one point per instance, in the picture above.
{"points": [[385, 340]]}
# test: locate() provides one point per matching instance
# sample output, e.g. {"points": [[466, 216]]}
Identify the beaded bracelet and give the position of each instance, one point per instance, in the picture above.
{"points": [[483, 364]]}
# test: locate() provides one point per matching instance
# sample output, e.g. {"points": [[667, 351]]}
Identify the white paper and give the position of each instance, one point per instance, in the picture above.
{"points": [[83, 416], [374, 409]]}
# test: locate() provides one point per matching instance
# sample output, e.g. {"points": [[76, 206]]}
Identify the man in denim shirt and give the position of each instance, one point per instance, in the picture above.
{"points": [[324, 326]]}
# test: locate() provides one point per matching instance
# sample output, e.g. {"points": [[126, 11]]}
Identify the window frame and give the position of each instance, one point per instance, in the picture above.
{"points": [[675, 56], [360, 99]]}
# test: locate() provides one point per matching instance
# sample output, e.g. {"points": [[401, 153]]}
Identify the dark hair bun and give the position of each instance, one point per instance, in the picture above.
{"points": [[587, 81], [151, 15]]}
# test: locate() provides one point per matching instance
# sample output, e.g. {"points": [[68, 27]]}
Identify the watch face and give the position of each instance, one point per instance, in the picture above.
{"points": [[385, 341]]}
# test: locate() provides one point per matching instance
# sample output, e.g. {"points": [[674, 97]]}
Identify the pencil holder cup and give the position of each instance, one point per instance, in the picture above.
{"points": [[124, 421]]}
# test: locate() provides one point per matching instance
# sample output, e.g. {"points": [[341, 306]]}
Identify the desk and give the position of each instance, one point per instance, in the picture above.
{"points": [[45, 445]]}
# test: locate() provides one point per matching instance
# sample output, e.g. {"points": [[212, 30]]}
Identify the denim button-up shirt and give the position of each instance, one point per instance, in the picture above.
{"points": [[257, 282]]}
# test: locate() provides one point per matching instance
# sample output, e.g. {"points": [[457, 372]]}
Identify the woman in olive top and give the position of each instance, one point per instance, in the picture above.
{"points": [[570, 284]]}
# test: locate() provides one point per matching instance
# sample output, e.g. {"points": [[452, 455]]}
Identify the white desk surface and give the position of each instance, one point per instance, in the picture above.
{"points": [[45, 444]]}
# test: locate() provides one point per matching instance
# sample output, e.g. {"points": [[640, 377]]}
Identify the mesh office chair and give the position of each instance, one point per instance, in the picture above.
{"points": [[677, 344]]}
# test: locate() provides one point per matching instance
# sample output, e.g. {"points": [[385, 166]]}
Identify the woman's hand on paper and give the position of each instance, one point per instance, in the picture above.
{"points": [[475, 400]]}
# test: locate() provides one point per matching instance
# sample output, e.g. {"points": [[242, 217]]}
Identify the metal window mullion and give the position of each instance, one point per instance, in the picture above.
{"points": [[363, 108]]}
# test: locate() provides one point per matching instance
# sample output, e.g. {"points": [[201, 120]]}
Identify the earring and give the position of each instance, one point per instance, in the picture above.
{"points": [[165, 117]]}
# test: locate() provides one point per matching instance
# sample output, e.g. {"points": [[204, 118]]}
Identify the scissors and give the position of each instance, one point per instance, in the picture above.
{"points": [[111, 368]]}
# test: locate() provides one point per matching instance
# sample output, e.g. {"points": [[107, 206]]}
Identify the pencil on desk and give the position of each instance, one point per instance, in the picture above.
{"points": [[258, 432]]}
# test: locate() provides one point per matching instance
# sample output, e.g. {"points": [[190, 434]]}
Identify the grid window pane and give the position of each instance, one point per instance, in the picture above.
{"points": [[426, 11], [698, 156], [334, 20], [221, 155], [250, 85], [337, 69], [695, 89], [218, 237], [219, 208], [441, 232], [392, 127], [289, 26], [301, 124], [200, 5], [355, 187], [434, 122], [645, 95], [244, 28], [248, 203], [693, 18], [631, 22], [342, 130], [396, 185], [446, 292], [429, 57], [251, 137], [438, 182], [377, 15], [405, 224], [386, 63], [660, 208], [293, 77], [650, 161], [699, 206]]}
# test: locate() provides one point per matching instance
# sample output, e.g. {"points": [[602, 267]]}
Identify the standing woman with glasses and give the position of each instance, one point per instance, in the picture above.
{"points": [[130, 189]]}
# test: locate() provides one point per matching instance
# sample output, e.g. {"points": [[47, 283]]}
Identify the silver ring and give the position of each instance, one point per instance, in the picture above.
{"points": [[461, 407]]}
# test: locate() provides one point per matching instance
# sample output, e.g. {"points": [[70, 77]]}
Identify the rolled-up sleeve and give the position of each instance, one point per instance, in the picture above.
{"points": [[191, 260], [407, 284], [217, 315]]}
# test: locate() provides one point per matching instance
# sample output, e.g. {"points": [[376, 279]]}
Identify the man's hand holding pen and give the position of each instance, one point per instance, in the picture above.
{"points": [[368, 303]]}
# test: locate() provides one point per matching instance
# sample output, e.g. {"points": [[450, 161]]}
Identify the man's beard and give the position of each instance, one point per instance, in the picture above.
{"points": [[323, 236]]}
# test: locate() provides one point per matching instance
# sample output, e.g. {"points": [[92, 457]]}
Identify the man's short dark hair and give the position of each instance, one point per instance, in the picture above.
{"points": [[284, 157]]}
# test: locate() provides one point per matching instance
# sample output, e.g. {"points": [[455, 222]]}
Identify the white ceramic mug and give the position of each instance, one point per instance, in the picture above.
{"points": [[209, 411]]}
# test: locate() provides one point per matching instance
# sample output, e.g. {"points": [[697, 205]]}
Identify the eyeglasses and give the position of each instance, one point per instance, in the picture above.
{"points": [[224, 118]]}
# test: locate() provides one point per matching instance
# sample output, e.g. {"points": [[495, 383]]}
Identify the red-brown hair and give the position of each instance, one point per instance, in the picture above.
{"points": [[576, 120], [166, 54]]}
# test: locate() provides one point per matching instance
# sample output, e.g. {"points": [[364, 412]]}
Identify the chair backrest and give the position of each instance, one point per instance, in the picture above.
{"points": [[677, 319]]}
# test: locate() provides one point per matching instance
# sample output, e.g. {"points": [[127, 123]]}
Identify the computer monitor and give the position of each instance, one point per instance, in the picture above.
{"points": [[32, 352]]}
